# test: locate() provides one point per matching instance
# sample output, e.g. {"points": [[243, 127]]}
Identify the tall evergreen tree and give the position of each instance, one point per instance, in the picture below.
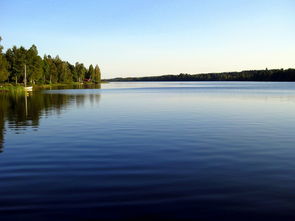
{"points": [[3, 65], [73, 73], [16, 58], [81, 71], [64, 72], [46, 69], [97, 74], [53, 78], [90, 73], [34, 65]]}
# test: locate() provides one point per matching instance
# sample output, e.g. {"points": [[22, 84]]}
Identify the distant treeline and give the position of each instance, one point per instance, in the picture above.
{"points": [[251, 75], [44, 70]]}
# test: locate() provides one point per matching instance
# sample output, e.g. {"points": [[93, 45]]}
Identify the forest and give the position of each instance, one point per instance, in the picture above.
{"points": [[46, 70], [251, 75]]}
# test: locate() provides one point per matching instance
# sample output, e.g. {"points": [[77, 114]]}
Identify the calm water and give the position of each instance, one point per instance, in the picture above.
{"points": [[149, 151]]}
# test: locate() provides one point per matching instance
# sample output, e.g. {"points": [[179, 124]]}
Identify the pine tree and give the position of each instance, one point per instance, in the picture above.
{"points": [[46, 69], [90, 74], [16, 58], [97, 74], [81, 71], [3, 66], [34, 65]]}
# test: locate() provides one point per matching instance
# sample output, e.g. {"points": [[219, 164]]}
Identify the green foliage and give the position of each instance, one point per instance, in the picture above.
{"points": [[3, 65], [252, 75], [3, 69], [45, 71], [81, 71], [64, 74], [73, 72], [34, 65], [97, 74], [12, 89], [90, 72], [16, 58]]}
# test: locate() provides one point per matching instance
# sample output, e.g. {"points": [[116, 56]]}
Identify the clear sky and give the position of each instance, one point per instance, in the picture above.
{"points": [[154, 37]]}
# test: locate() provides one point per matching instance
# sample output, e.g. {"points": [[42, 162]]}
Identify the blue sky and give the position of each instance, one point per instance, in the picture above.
{"points": [[153, 37]]}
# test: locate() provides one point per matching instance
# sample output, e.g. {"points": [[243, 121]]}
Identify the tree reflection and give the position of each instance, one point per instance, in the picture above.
{"points": [[18, 111]]}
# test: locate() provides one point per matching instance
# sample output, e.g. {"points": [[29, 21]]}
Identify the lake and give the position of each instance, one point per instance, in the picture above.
{"points": [[149, 151]]}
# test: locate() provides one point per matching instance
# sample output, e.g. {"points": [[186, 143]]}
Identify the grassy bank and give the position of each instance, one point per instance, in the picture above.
{"points": [[45, 86], [20, 87], [11, 87]]}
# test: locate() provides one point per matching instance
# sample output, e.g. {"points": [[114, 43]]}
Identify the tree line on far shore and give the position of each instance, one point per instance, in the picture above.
{"points": [[46, 70], [251, 75]]}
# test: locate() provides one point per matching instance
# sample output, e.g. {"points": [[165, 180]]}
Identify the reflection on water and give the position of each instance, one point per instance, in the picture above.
{"points": [[18, 111], [150, 151]]}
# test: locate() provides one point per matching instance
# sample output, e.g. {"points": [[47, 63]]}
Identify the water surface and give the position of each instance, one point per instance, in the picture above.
{"points": [[152, 150]]}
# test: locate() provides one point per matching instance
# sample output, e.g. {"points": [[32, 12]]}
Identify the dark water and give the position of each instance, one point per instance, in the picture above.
{"points": [[150, 151]]}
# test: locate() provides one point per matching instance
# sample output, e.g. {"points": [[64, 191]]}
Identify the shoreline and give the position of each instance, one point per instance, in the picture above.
{"points": [[6, 87]]}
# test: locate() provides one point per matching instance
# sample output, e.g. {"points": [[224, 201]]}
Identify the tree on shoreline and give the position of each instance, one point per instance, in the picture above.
{"points": [[81, 71], [46, 70], [90, 73], [97, 74], [3, 65], [34, 65], [252, 75]]}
